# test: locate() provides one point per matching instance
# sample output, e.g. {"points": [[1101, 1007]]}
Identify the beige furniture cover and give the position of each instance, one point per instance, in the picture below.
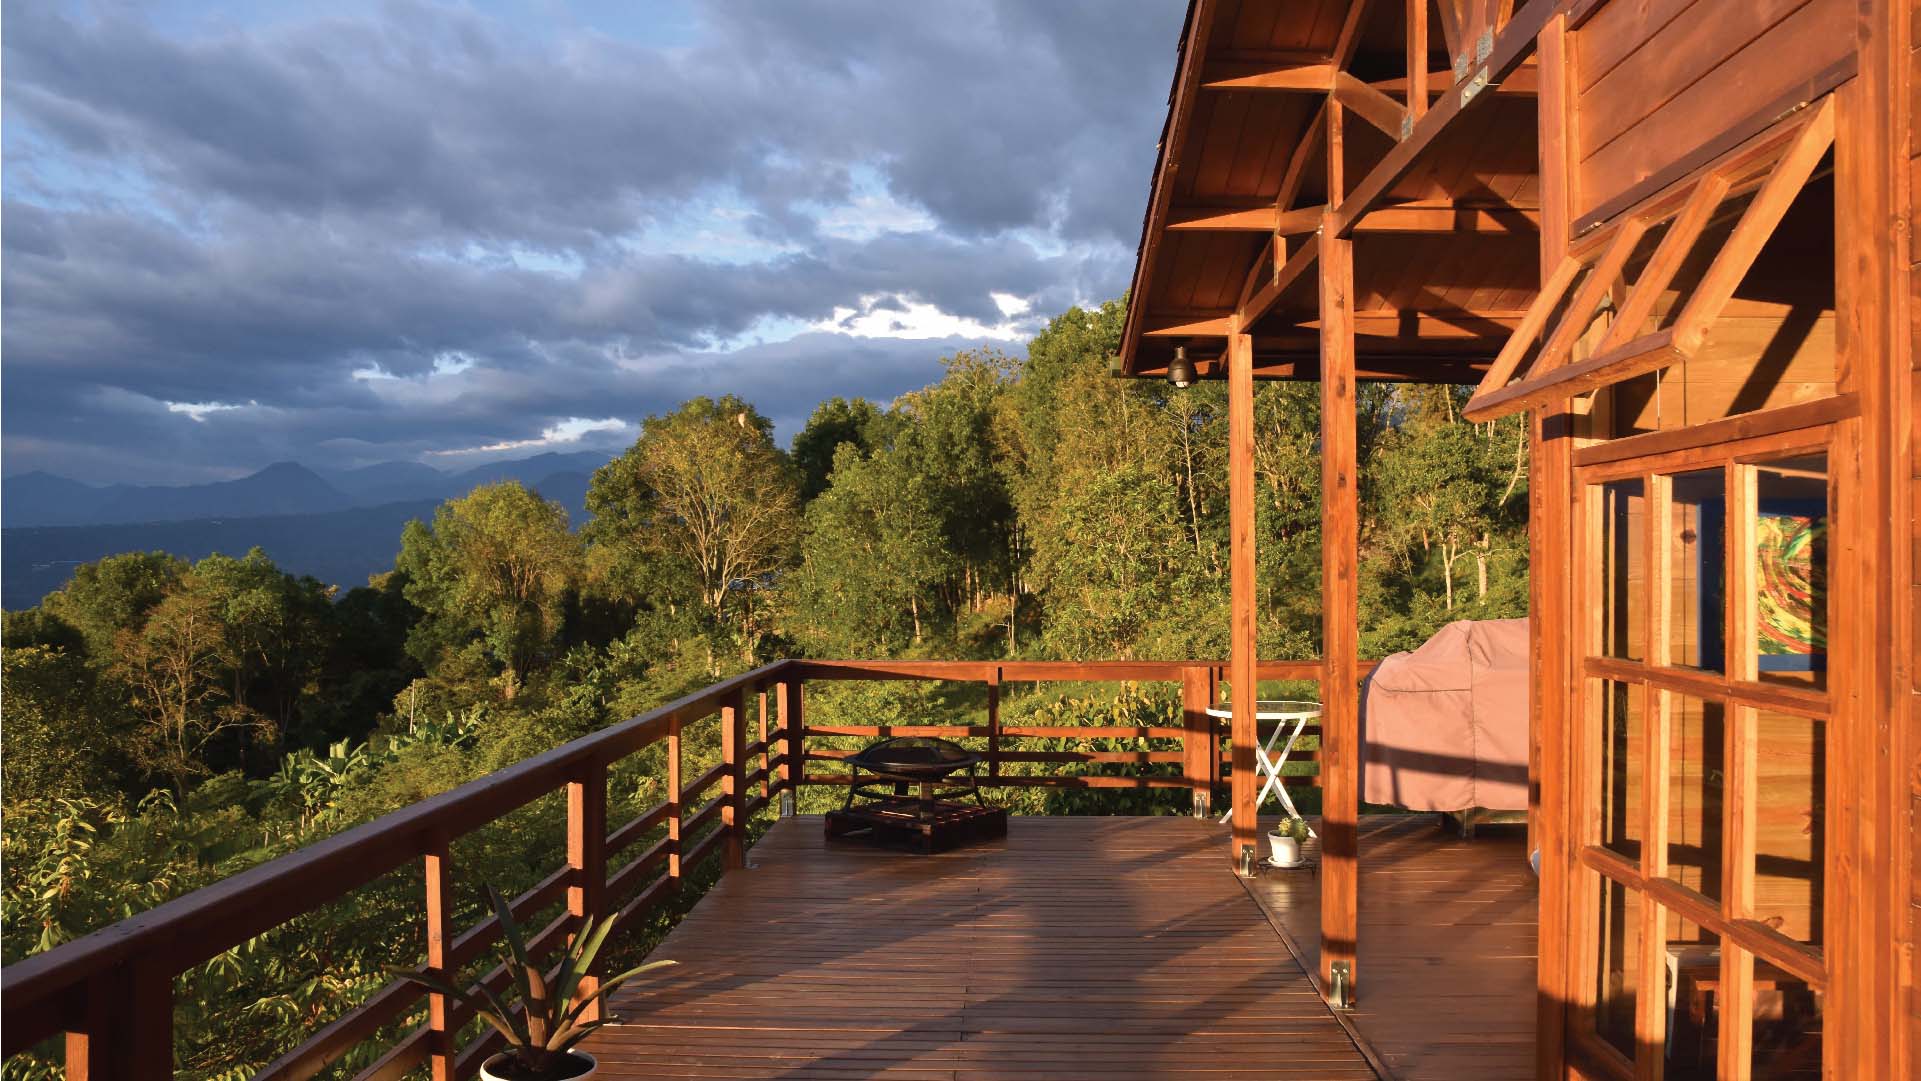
{"points": [[1445, 728]]}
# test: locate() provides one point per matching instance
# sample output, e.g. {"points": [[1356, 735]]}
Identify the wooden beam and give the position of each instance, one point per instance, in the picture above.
{"points": [[1304, 73], [1646, 354], [1248, 219], [1515, 44], [1181, 327], [1438, 325], [1264, 299], [1369, 104], [1426, 218], [1418, 76], [1532, 326], [1241, 569], [1187, 80]]}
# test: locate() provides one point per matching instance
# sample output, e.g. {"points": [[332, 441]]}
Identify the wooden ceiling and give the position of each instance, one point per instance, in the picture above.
{"points": [[1446, 253]]}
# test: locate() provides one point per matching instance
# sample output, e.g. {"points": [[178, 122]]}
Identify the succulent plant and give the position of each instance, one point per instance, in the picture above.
{"points": [[542, 1034]]}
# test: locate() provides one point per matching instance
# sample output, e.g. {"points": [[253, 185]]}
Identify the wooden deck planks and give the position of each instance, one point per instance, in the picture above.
{"points": [[1077, 947], [1447, 946]]}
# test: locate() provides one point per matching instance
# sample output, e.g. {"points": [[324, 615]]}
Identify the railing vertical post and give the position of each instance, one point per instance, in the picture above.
{"points": [[441, 1048], [1214, 774], [675, 809], [587, 858], [793, 772], [994, 724], [766, 777], [733, 820], [128, 1033], [1198, 752]]}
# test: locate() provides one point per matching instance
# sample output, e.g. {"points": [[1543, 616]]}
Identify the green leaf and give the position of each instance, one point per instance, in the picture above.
{"points": [[566, 1039], [522, 964]]}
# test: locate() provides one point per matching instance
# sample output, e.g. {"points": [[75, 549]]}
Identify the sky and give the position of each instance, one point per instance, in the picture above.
{"points": [[244, 231]]}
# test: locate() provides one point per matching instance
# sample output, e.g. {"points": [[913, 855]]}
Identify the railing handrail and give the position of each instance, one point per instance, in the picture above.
{"points": [[1043, 671], [233, 910]]}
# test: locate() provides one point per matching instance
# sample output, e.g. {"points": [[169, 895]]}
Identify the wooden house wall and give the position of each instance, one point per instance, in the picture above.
{"points": [[1657, 81]]}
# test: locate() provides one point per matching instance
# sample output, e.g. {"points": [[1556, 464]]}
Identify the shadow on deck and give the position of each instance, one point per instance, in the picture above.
{"points": [[1077, 947], [1447, 946]]}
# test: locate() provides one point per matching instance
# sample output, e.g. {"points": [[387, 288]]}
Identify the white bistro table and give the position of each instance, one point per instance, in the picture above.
{"points": [[1267, 760]]}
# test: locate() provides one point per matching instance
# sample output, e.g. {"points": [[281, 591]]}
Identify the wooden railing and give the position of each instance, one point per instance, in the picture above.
{"points": [[111, 992]]}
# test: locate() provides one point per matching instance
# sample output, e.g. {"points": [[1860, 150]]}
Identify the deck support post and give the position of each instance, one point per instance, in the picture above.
{"points": [[1554, 691], [1340, 594], [1242, 626]]}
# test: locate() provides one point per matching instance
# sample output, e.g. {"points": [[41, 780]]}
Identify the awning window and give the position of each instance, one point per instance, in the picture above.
{"points": [[1643, 292]]}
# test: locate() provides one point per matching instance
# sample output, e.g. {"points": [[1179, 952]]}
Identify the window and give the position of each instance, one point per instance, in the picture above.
{"points": [[1705, 756], [1618, 945], [1623, 568], [1790, 571], [1790, 824], [1623, 756], [1696, 553], [1641, 296], [1697, 782]]}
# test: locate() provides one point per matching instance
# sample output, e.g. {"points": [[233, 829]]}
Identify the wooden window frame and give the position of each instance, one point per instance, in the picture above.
{"points": [[1740, 694], [1776, 165]]}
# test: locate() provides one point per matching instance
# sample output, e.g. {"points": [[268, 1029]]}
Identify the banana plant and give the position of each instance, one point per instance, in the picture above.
{"points": [[551, 1021]]}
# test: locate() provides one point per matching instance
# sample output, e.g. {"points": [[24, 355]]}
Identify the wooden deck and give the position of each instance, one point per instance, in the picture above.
{"points": [[1076, 948], [1447, 946]]}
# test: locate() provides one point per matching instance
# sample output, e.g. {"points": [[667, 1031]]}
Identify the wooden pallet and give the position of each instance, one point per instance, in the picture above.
{"points": [[907, 823]]}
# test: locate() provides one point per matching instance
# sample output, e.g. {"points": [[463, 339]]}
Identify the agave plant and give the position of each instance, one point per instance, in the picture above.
{"points": [[542, 1034]]}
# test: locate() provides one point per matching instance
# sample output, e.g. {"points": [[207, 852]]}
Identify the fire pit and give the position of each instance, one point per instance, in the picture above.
{"points": [[880, 808]]}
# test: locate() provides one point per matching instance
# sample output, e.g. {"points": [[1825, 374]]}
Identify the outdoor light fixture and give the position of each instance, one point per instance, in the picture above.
{"points": [[1180, 370]]}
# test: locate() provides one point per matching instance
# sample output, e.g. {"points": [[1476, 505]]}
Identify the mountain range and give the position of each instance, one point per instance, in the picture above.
{"points": [[338, 526], [43, 499]]}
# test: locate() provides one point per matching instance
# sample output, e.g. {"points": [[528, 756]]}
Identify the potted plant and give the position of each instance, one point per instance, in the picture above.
{"points": [[1284, 842], [540, 1038]]}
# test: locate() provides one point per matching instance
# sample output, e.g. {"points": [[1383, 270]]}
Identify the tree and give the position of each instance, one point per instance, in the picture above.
{"points": [[65, 735], [875, 550], [106, 598], [705, 500], [495, 570], [275, 630], [836, 422], [1446, 488], [175, 667]]}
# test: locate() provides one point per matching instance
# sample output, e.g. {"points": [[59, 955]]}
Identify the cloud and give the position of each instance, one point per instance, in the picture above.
{"points": [[413, 229], [569, 431]]}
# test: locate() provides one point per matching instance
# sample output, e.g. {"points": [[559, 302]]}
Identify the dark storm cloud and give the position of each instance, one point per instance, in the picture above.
{"points": [[576, 219]]}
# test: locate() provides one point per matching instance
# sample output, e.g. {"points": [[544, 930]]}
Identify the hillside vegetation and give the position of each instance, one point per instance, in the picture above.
{"points": [[168, 723]]}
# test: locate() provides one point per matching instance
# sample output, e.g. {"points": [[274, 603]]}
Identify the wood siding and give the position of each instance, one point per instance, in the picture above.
{"points": [[1657, 81]]}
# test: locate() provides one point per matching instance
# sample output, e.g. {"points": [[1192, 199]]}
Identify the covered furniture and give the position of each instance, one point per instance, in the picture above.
{"points": [[1445, 727]]}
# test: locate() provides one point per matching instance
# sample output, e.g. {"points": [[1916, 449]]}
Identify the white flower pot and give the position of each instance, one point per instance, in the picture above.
{"points": [[1285, 851], [490, 1070]]}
